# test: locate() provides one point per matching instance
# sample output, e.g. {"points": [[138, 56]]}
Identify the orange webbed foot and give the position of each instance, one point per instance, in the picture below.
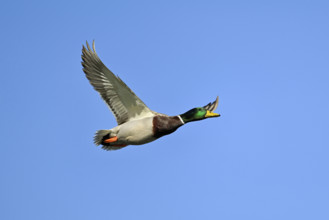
{"points": [[110, 140]]}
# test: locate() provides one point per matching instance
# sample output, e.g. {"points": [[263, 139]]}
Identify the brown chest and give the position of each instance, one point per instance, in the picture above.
{"points": [[163, 125]]}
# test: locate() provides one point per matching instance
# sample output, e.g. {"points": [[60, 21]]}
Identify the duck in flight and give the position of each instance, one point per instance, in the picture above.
{"points": [[137, 124]]}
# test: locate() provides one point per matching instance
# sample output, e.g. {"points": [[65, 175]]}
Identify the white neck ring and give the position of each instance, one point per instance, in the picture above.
{"points": [[181, 119]]}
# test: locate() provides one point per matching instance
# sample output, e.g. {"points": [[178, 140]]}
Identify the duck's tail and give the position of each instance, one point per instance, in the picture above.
{"points": [[101, 135]]}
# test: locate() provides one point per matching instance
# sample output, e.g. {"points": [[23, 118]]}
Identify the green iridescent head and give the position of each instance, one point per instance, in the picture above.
{"points": [[197, 114]]}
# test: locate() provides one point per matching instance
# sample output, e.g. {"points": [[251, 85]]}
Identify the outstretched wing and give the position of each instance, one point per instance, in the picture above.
{"points": [[122, 101], [212, 106]]}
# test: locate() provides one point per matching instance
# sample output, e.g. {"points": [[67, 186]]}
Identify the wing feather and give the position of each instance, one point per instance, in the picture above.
{"points": [[122, 101], [212, 106]]}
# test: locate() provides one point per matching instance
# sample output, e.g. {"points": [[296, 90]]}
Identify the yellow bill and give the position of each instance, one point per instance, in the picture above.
{"points": [[211, 114]]}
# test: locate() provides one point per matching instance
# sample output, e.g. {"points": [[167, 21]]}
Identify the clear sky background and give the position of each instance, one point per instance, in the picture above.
{"points": [[266, 158]]}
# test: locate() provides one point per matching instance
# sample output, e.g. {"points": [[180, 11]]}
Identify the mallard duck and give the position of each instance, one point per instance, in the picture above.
{"points": [[137, 124]]}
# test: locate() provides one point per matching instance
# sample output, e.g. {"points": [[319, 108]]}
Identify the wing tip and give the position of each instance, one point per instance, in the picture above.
{"points": [[211, 106], [88, 49]]}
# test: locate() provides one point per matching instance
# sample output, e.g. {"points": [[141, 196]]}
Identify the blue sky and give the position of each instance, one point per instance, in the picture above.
{"points": [[265, 158]]}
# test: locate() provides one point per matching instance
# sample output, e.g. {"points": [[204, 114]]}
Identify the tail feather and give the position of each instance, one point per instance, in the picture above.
{"points": [[110, 148], [99, 136]]}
